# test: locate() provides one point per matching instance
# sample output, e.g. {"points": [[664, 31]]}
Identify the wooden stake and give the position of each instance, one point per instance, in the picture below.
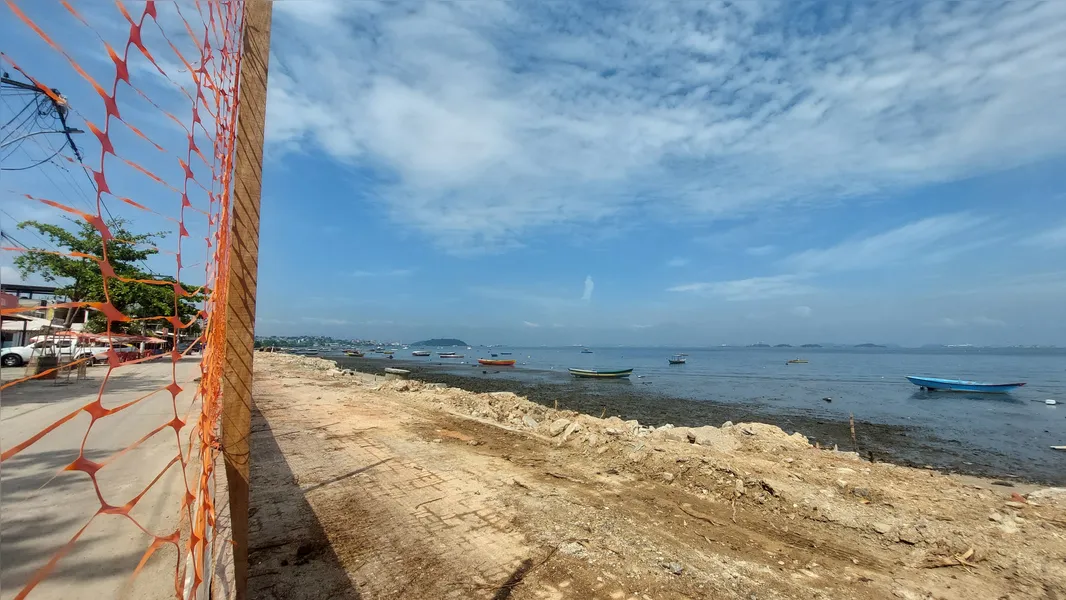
{"points": [[243, 271]]}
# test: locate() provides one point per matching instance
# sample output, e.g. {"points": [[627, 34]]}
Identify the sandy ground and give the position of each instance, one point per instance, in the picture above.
{"points": [[42, 506], [366, 488]]}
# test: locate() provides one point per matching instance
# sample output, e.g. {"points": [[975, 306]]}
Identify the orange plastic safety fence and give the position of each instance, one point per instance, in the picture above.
{"points": [[152, 89]]}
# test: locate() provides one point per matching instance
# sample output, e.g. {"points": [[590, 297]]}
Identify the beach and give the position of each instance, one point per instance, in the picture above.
{"points": [[999, 436], [367, 487]]}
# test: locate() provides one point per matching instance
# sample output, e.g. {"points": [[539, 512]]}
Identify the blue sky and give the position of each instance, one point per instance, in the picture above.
{"points": [[661, 173]]}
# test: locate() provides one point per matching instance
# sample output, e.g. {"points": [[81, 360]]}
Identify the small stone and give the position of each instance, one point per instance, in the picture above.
{"points": [[674, 567], [612, 431], [842, 484], [530, 422], [558, 426], [667, 477], [861, 492], [790, 460], [573, 549], [667, 426], [739, 487], [473, 443], [995, 516], [1013, 504], [437, 441], [909, 535], [727, 424], [570, 429], [882, 528]]}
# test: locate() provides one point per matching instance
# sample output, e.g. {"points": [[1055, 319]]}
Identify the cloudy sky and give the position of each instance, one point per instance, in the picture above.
{"points": [[663, 172]]}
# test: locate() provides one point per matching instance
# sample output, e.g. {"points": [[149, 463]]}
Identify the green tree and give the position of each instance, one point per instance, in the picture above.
{"points": [[81, 280]]}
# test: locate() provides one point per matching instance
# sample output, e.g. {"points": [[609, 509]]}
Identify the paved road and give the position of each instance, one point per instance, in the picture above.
{"points": [[42, 507]]}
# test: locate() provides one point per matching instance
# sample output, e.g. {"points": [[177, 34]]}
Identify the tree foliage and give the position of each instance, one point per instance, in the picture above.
{"points": [[81, 279]]}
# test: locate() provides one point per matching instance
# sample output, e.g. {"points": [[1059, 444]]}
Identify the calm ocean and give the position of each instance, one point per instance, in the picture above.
{"points": [[866, 382]]}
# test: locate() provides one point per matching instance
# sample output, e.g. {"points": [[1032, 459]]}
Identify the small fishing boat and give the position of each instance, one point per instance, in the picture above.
{"points": [[392, 371], [677, 359], [495, 363], [586, 351], [450, 355], [601, 373], [797, 361], [421, 353], [388, 352], [934, 384], [353, 353], [505, 353]]}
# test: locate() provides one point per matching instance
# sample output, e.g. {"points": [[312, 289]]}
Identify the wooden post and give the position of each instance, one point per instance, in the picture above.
{"points": [[243, 271]]}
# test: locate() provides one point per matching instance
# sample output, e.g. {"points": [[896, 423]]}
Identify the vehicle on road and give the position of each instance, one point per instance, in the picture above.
{"points": [[96, 352]]}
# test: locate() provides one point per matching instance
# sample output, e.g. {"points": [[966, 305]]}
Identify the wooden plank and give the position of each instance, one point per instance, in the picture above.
{"points": [[243, 267]]}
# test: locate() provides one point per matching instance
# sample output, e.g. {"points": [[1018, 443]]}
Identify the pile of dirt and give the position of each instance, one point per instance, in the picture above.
{"points": [[913, 532]]}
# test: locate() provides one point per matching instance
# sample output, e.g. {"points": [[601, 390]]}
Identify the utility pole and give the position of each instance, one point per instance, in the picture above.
{"points": [[243, 265]]}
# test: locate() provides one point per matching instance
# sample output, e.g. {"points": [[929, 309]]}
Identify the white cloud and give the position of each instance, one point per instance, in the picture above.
{"points": [[388, 273], [325, 321], [589, 287], [531, 324], [802, 311], [493, 119], [889, 247], [979, 321], [677, 261], [1049, 238], [761, 250], [755, 288]]}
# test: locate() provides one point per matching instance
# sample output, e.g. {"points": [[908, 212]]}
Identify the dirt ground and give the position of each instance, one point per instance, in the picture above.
{"points": [[367, 488]]}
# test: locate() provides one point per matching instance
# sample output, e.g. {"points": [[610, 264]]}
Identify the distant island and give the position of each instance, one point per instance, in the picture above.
{"points": [[870, 346], [441, 342], [783, 346], [811, 346], [759, 345]]}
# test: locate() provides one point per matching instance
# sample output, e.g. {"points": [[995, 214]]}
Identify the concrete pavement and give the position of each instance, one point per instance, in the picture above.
{"points": [[42, 507]]}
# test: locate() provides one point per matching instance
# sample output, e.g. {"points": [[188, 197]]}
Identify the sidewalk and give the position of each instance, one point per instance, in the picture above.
{"points": [[43, 506]]}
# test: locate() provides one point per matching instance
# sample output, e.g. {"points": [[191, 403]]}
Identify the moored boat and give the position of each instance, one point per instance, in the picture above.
{"points": [[934, 384], [601, 373], [586, 351], [450, 355], [505, 353], [388, 352], [677, 359], [392, 371], [495, 362], [353, 353], [797, 361], [421, 353]]}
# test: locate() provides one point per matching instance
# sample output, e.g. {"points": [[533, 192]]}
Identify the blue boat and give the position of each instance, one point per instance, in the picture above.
{"points": [[957, 385]]}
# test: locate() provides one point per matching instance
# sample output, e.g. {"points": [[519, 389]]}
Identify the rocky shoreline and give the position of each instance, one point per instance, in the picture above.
{"points": [[911, 446], [424, 486]]}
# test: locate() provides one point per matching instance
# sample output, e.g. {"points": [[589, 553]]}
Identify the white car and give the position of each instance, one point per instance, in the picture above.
{"points": [[17, 356]]}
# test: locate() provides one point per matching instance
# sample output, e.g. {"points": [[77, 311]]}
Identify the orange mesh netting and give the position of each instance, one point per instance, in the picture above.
{"points": [[152, 90]]}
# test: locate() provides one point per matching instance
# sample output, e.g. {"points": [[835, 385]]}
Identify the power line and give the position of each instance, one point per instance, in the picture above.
{"points": [[32, 232], [36, 164], [28, 104]]}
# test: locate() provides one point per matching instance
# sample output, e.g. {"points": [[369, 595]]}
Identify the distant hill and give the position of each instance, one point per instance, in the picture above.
{"points": [[783, 346], [811, 346], [869, 346], [759, 345], [440, 342]]}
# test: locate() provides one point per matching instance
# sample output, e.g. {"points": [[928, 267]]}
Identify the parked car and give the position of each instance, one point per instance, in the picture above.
{"points": [[17, 356]]}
